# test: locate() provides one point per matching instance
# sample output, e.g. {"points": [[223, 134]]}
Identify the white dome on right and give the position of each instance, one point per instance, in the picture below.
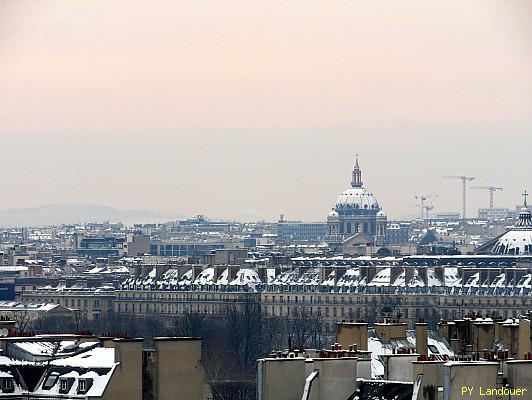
{"points": [[517, 241]]}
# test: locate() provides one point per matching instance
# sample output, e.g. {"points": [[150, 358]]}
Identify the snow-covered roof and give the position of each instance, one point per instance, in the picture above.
{"points": [[437, 346], [67, 360], [341, 274]]}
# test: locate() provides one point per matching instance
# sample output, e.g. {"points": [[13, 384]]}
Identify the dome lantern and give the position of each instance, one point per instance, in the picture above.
{"points": [[356, 179]]}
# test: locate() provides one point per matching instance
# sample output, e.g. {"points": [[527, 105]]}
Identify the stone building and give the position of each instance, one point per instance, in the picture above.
{"points": [[356, 212]]}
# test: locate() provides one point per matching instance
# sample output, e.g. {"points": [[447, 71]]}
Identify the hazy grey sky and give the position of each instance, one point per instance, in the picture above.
{"points": [[252, 109]]}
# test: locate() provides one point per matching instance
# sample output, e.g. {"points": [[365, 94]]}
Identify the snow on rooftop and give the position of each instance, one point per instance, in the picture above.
{"points": [[205, 277], [330, 279], [382, 278], [451, 276], [99, 357], [186, 279], [350, 278], [224, 277], [436, 346], [245, 276], [50, 348]]}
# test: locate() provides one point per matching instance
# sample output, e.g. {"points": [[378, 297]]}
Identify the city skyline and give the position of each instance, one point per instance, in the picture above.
{"points": [[251, 112], [240, 200]]}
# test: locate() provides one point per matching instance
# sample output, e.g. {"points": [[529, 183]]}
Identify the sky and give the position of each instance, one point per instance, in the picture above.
{"points": [[247, 110]]}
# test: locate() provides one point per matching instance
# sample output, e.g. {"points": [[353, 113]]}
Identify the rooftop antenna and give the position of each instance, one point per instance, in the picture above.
{"points": [[464, 180]]}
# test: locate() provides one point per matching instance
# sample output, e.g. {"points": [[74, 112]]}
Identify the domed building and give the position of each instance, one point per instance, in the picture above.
{"points": [[356, 212], [518, 240]]}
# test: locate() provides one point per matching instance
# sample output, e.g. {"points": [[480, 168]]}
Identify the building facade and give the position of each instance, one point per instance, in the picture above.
{"points": [[301, 231]]}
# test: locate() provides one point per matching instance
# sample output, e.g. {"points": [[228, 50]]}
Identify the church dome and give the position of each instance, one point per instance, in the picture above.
{"points": [[358, 198], [517, 241], [525, 218]]}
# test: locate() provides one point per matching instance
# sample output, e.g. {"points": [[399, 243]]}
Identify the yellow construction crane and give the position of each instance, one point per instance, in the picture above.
{"points": [[492, 189], [464, 180]]}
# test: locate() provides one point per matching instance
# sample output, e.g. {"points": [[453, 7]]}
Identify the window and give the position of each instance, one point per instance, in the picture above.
{"points": [[50, 381], [64, 385], [7, 384], [82, 385], [433, 349]]}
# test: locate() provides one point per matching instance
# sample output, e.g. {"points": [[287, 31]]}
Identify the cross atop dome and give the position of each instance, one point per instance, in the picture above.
{"points": [[356, 179], [525, 216]]}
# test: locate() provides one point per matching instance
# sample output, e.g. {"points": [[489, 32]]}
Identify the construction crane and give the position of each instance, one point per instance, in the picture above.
{"points": [[422, 198], [492, 189], [464, 180], [428, 208]]}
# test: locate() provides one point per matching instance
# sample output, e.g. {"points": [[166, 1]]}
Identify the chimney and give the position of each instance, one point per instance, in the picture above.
{"points": [[128, 353], [106, 341], [444, 330], [127, 350], [524, 343], [233, 269], [196, 270], [263, 273], [349, 333], [178, 372], [421, 338]]}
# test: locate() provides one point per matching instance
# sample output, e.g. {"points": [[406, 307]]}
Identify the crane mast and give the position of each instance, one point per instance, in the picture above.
{"points": [[464, 180], [491, 189]]}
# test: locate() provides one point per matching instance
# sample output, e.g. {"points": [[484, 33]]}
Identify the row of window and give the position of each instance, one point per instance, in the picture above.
{"points": [[176, 297], [367, 299], [366, 313], [70, 302]]}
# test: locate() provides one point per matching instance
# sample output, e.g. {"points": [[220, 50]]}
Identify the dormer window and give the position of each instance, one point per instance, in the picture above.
{"points": [[7, 384], [65, 384], [84, 384], [50, 381]]}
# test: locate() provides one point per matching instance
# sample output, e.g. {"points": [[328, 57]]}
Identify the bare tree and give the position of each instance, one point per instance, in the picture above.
{"points": [[317, 334], [244, 322], [300, 326], [192, 324], [273, 332], [23, 319]]}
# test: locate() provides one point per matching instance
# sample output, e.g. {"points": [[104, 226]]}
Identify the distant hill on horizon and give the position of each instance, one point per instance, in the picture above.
{"points": [[58, 214]]}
